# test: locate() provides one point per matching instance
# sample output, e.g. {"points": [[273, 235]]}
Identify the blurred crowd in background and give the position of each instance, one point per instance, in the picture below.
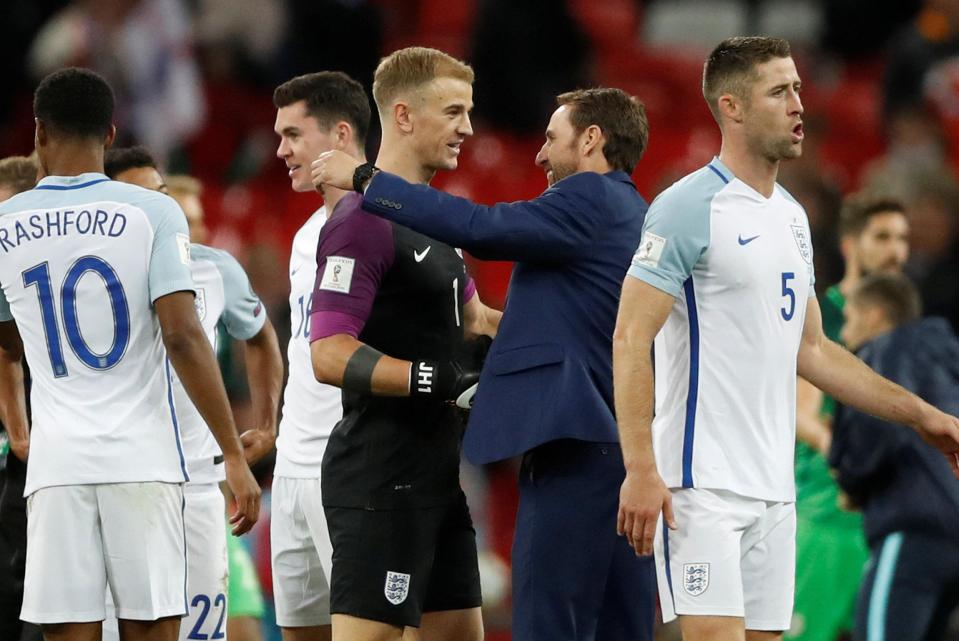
{"points": [[194, 80]]}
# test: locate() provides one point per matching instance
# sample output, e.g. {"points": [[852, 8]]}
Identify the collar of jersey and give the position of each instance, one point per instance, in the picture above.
{"points": [[63, 183], [719, 168]]}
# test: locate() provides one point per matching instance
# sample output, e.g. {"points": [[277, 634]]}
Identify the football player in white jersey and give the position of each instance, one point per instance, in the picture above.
{"points": [[95, 284], [223, 294], [316, 112], [722, 283]]}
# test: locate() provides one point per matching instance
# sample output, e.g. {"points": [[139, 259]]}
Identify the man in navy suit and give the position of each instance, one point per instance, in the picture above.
{"points": [[546, 389]]}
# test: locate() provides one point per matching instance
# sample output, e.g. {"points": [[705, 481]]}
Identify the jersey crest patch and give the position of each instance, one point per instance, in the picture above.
{"points": [[695, 578], [802, 242], [650, 250], [397, 587], [338, 274], [199, 302]]}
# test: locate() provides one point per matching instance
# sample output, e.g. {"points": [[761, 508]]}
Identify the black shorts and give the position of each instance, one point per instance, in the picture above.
{"points": [[394, 565]]}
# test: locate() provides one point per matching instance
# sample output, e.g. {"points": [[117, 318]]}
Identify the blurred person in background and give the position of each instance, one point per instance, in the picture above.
{"points": [[17, 174], [144, 49], [830, 548], [315, 112], [220, 572], [906, 491]]}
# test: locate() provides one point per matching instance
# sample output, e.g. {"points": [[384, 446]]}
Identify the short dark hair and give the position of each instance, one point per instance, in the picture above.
{"points": [[75, 102], [118, 160], [893, 293], [19, 173], [330, 96], [621, 117], [731, 67], [858, 209]]}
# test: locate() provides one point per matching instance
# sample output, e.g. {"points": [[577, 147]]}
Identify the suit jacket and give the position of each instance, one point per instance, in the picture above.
{"points": [[548, 374]]}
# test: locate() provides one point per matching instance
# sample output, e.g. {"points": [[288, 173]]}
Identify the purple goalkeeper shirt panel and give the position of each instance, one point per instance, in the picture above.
{"points": [[355, 251]]}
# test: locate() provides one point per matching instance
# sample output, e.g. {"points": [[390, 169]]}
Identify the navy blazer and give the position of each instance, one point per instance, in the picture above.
{"points": [[549, 373]]}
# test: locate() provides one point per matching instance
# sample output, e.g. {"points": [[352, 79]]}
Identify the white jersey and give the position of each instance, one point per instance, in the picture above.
{"points": [[740, 267], [310, 409], [82, 259], [223, 293]]}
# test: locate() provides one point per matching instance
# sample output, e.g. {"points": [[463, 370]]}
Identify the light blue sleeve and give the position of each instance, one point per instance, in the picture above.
{"points": [[675, 235], [243, 312], [170, 255], [5, 314]]}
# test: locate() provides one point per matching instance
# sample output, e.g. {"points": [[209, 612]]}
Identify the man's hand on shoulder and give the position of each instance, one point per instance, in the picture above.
{"points": [[334, 169]]}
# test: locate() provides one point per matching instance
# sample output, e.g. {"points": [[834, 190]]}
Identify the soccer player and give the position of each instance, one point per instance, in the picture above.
{"points": [[722, 283], [96, 276], [391, 308], [909, 500], [223, 294], [17, 174], [547, 389], [245, 606], [830, 549], [314, 113]]}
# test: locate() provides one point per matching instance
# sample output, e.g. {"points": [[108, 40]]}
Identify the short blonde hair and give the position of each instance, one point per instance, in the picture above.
{"points": [[19, 173], [182, 185], [412, 67]]}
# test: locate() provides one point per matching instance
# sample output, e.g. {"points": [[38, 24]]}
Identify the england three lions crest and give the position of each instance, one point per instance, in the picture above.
{"points": [[199, 302], [801, 235], [695, 578], [397, 587]]}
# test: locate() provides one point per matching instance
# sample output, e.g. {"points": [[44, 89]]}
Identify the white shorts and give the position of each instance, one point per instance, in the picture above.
{"points": [[302, 555], [730, 556], [83, 538], [207, 569]]}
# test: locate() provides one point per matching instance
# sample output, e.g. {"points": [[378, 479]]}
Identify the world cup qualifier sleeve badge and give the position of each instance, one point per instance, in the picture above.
{"points": [[199, 302], [397, 587], [695, 578]]}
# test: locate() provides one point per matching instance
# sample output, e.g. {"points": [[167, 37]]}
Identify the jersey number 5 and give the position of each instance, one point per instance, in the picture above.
{"points": [[789, 293], [39, 275]]}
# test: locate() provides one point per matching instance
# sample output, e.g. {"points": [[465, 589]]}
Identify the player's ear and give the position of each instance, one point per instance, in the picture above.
{"points": [[111, 136], [342, 135], [731, 107], [40, 133], [402, 117]]}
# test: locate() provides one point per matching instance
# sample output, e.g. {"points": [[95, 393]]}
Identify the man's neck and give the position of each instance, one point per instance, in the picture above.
{"points": [[757, 172], [72, 159], [332, 195], [398, 158]]}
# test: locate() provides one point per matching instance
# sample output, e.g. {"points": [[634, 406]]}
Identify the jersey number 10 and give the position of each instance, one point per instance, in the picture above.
{"points": [[39, 275]]}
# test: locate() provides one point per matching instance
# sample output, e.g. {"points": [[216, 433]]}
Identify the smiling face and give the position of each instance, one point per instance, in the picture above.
{"points": [[441, 122], [302, 139], [559, 155], [772, 113]]}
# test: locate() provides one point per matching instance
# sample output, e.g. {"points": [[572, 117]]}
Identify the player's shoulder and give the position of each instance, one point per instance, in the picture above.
{"points": [[211, 254], [690, 197], [350, 219]]}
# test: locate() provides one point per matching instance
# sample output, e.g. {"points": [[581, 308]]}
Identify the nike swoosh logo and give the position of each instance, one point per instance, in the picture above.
{"points": [[418, 257], [746, 241]]}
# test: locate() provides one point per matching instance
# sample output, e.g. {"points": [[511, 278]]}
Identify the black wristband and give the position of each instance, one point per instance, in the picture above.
{"points": [[361, 174], [358, 376]]}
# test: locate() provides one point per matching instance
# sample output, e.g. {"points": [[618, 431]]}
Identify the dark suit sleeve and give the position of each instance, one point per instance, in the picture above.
{"points": [[559, 225]]}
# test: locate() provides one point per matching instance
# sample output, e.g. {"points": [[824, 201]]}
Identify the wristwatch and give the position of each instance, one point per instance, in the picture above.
{"points": [[362, 174]]}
